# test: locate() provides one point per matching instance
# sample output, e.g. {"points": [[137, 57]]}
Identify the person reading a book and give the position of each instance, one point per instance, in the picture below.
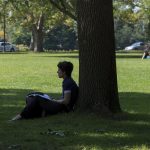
{"points": [[39, 104]]}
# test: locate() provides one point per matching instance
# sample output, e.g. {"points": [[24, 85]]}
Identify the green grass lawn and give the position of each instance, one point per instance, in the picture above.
{"points": [[21, 73]]}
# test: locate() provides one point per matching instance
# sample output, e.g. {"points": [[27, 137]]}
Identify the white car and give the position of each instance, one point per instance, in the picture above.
{"points": [[8, 47], [135, 46]]}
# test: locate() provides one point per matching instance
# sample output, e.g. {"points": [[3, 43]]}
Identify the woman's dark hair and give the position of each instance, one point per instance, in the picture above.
{"points": [[66, 67]]}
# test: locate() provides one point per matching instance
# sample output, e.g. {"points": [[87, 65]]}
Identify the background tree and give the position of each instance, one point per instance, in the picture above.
{"points": [[145, 10], [61, 37], [4, 13], [37, 17], [32, 14], [131, 22], [97, 77]]}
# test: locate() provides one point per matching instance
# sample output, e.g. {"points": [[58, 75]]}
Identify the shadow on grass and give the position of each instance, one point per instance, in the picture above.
{"points": [[60, 56], [8, 96], [14, 53], [135, 102], [129, 56], [81, 130], [14, 99]]}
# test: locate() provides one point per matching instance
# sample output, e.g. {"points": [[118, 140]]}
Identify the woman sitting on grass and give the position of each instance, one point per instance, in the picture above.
{"points": [[39, 104], [146, 52], [146, 55]]}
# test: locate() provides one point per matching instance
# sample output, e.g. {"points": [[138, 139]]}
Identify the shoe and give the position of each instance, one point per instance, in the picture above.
{"points": [[18, 117]]}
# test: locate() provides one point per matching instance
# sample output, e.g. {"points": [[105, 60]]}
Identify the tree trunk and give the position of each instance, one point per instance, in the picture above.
{"points": [[148, 28], [37, 35], [32, 42], [38, 40], [97, 79]]}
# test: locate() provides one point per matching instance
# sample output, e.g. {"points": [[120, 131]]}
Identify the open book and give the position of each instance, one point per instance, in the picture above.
{"points": [[40, 94]]}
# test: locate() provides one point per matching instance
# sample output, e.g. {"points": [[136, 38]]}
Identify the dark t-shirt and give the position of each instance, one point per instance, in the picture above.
{"points": [[70, 85]]}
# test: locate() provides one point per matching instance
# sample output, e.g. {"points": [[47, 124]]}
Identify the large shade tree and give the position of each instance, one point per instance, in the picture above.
{"points": [[97, 79]]}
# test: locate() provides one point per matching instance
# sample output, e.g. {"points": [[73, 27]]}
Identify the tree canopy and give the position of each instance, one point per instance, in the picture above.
{"points": [[132, 20]]}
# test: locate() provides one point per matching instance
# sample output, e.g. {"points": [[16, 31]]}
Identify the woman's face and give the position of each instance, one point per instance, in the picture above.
{"points": [[60, 73]]}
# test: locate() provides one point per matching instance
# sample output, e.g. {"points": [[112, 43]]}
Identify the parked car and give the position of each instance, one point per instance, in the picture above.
{"points": [[135, 46], [8, 47]]}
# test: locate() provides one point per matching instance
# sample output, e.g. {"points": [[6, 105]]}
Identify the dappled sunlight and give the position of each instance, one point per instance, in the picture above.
{"points": [[91, 135], [142, 123], [101, 141], [109, 135], [119, 135], [142, 147], [6, 94], [83, 147], [11, 105]]}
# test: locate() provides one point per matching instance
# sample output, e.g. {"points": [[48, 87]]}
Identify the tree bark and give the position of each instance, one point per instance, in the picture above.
{"points": [[37, 35], [97, 73], [38, 40], [32, 42]]}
